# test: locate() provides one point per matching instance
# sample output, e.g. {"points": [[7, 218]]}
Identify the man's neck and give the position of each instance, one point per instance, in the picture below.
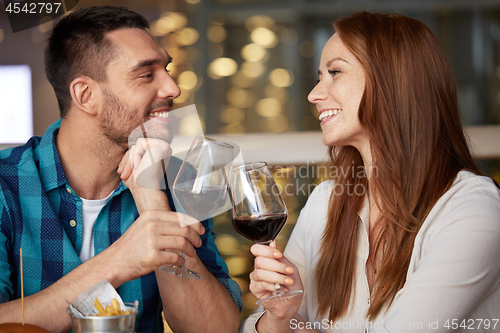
{"points": [[88, 161]]}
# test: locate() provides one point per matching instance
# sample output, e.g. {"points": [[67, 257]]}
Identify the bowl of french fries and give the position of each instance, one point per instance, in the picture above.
{"points": [[109, 318]]}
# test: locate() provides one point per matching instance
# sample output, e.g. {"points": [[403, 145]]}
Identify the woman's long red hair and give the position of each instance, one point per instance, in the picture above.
{"points": [[410, 111]]}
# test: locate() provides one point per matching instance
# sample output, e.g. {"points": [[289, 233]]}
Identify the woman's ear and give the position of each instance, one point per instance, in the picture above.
{"points": [[84, 94]]}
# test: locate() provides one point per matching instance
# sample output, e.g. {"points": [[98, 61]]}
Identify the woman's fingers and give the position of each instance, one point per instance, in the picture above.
{"points": [[265, 251]]}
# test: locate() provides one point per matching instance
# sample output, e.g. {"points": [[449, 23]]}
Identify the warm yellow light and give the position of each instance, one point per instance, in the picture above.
{"points": [[241, 80], [1, 35], [253, 52], [276, 92], [164, 25], [259, 21], [183, 98], [278, 123], [179, 56], [252, 69], [268, 107], [306, 49], [189, 125], [187, 36], [187, 80], [264, 37], [179, 20], [238, 97], [281, 77], [234, 128], [223, 67], [216, 34], [193, 2], [232, 115], [227, 244], [237, 265]]}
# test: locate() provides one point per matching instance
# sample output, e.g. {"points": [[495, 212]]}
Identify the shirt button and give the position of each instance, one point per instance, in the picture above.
{"points": [[72, 223], [69, 190]]}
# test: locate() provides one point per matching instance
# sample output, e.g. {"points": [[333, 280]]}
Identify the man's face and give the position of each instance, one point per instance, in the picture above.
{"points": [[138, 91]]}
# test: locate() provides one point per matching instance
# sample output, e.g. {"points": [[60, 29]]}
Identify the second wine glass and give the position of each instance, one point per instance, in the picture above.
{"points": [[259, 212]]}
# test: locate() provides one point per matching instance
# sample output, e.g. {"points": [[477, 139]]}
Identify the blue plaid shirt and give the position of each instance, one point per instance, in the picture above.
{"points": [[38, 213]]}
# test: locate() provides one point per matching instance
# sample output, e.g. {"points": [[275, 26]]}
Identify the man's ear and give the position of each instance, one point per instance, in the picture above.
{"points": [[84, 93]]}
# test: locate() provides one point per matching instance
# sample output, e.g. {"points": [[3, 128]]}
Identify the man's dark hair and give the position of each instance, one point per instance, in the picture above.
{"points": [[78, 46]]}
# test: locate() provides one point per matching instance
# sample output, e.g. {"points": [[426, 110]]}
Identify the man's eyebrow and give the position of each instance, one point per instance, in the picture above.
{"points": [[147, 63]]}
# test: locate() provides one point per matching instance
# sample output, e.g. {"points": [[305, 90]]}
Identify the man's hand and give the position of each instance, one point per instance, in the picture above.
{"points": [[147, 161], [154, 239]]}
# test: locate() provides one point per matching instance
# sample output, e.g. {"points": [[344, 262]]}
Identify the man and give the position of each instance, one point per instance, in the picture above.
{"points": [[109, 76]]}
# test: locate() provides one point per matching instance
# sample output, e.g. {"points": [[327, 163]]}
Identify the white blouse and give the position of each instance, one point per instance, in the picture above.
{"points": [[453, 281]]}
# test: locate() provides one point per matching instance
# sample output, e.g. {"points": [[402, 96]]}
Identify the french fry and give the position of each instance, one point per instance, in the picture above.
{"points": [[98, 306], [111, 310]]}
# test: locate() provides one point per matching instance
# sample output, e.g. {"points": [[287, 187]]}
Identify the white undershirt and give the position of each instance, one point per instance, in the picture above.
{"points": [[90, 211]]}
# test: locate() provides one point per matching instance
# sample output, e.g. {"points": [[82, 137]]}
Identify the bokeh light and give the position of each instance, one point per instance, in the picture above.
{"points": [[187, 80], [187, 36], [222, 67], [184, 97], [232, 115], [281, 77], [239, 97], [252, 69], [259, 21], [227, 244], [1, 35], [276, 92], [277, 124], [268, 107], [242, 81], [264, 37], [189, 124], [253, 52], [216, 34]]}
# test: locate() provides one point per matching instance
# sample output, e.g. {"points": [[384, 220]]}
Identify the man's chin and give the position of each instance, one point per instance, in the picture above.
{"points": [[151, 130]]}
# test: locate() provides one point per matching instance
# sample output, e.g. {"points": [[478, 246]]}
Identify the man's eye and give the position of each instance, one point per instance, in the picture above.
{"points": [[147, 76]]}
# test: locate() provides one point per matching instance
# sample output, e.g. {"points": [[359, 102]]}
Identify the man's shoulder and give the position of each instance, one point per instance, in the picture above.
{"points": [[16, 157]]}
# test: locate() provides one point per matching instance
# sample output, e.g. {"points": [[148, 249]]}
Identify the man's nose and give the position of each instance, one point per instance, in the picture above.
{"points": [[168, 88]]}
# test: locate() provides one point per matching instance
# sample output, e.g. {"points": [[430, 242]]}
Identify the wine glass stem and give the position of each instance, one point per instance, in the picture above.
{"points": [[278, 290]]}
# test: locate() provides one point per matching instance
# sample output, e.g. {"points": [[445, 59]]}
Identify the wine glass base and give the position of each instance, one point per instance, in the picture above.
{"points": [[280, 297], [181, 271]]}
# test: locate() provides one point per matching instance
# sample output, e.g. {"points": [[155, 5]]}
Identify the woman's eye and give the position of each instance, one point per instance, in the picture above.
{"points": [[333, 72]]}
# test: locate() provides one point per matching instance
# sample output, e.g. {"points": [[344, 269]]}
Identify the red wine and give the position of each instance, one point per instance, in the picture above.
{"points": [[261, 229]]}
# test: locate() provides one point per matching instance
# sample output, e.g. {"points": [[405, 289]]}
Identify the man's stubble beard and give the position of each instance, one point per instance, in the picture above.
{"points": [[119, 123]]}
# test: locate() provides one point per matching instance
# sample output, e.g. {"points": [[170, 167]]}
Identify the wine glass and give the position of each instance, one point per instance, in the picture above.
{"points": [[259, 212], [201, 185]]}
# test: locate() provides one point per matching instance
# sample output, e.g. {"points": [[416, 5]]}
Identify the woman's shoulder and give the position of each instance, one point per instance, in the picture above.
{"points": [[472, 201]]}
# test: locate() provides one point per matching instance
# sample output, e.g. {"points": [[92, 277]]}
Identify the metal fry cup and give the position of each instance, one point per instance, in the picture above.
{"points": [[110, 324]]}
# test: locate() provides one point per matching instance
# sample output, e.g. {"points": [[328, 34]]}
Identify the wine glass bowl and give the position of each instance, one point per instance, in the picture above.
{"points": [[258, 210], [201, 185]]}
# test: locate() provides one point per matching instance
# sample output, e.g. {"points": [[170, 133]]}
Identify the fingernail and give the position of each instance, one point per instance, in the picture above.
{"points": [[288, 281], [289, 270], [277, 254]]}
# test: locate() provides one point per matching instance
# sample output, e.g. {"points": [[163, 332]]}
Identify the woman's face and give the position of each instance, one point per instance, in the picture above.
{"points": [[338, 95]]}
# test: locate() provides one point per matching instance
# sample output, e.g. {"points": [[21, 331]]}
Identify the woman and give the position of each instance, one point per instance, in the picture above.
{"points": [[415, 247]]}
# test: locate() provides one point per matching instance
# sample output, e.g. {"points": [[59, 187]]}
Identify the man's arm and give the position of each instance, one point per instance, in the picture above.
{"points": [[202, 305]]}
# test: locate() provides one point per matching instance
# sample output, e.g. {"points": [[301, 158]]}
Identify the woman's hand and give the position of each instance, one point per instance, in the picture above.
{"points": [[272, 267]]}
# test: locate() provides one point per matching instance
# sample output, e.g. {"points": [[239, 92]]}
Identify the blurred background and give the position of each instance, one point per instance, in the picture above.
{"points": [[248, 66]]}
